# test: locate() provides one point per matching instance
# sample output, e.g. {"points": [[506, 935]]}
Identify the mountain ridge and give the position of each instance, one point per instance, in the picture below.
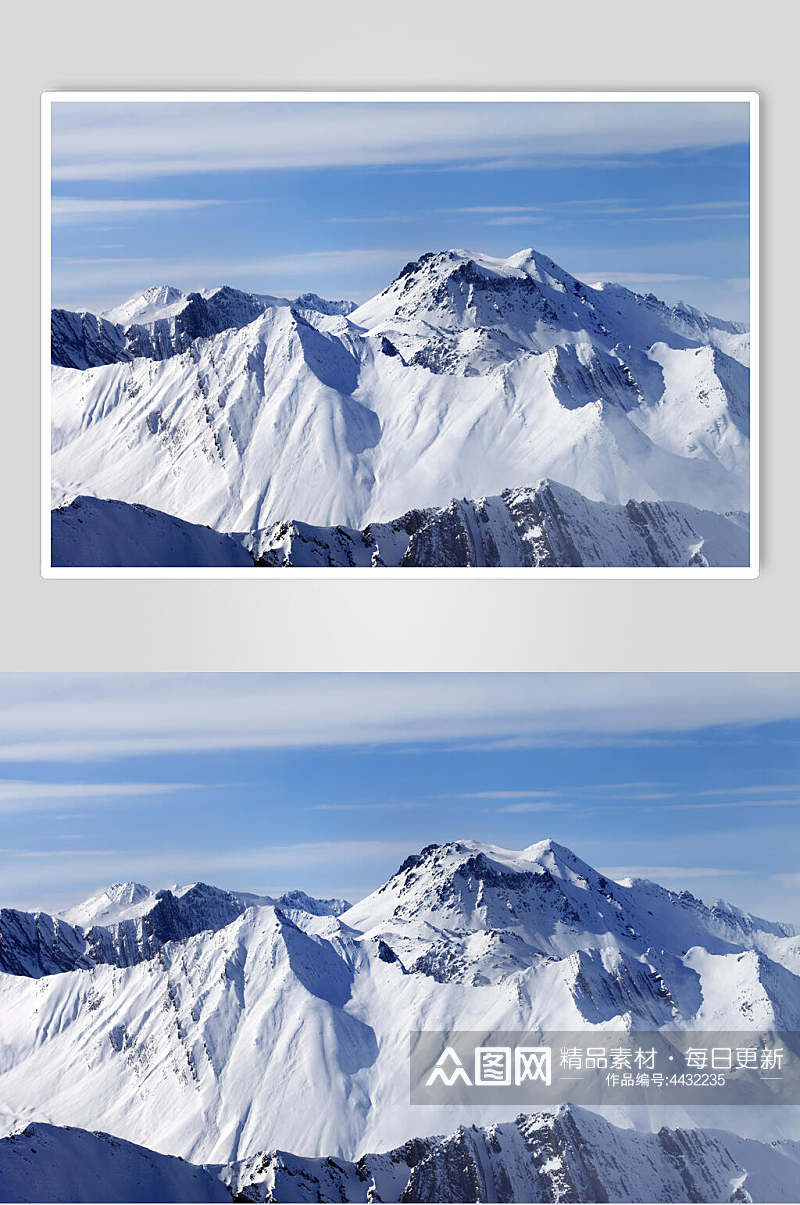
{"points": [[567, 1156], [164, 321], [465, 376], [37, 944], [543, 527]]}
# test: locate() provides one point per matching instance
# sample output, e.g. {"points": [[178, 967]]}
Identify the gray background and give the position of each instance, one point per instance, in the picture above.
{"points": [[340, 625]]}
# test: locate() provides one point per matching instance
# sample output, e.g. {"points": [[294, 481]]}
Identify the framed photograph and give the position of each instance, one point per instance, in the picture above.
{"points": [[391, 334]]}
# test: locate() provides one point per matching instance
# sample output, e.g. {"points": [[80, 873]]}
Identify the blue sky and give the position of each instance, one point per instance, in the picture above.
{"points": [[327, 782], [336, 197]]}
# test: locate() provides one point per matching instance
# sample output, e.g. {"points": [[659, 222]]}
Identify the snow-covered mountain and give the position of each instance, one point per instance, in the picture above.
{"points": [[467, 376], [127, 901], [215, 1025], [127, 923], [118, 901], [539, 527], [569, 1156], [162, 322], [542, 526], [89, 532], [61, 1163]]}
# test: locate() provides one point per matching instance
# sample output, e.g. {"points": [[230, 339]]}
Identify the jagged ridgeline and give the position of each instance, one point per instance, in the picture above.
{"points": [[223, 1027], [319, 434], [569, 1156]]}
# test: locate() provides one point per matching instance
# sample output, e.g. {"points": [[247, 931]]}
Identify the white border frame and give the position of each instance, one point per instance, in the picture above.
{"points": [[278, 573]]}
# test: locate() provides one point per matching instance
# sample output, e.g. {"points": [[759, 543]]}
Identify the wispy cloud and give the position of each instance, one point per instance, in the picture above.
{"points": [[395, 806], [602, 202], [619, 788], [66, 852], [81, 210], [103, 260], [645, 796], [128, 140], [742, 204], [517, 220], [291, 863], [25, 796], [598, 208], [533, 806], [753, 789], [697, 805], [553, 799], [500, 795], [391, 218], [78, 718], [595, 205], [283, 272], [790, 880], [489, 210], [637, 277], [694, 217], [623, 786], [657, 873]]}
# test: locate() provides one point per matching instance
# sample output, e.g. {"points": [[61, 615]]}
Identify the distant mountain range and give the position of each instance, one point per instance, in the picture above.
{"points": [[228, 1028], [468, 377], [569, 1156], [544, 527]]}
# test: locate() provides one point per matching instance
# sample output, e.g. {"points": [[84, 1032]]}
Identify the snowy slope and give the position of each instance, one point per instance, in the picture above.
{"points": [[50, 1163], [118, 901], [465, 377], [33, 943], [93, 531], [159, 301], [208, 1035]]}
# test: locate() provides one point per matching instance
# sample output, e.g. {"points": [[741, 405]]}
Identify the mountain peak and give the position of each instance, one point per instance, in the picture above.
{"points": [[116, 902], [469, 886], [546, 853], [162, 294], [313, 301], [127, 893], [505, 909], [541, 268], [493, 307], [528, 262], [156, 301], [552, 856]]}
